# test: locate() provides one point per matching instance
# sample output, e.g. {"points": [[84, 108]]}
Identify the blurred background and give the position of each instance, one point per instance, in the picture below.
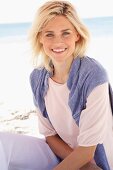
{"points": [[16, 17]]}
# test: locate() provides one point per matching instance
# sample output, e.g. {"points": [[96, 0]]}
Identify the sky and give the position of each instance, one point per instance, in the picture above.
{"points": [[12, 11]]}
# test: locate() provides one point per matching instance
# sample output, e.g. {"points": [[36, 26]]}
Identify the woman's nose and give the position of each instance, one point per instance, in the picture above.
{"points": [[58, 39]]}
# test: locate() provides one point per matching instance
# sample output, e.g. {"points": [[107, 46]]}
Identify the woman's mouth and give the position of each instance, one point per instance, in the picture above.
{"points": [[59, 50]]}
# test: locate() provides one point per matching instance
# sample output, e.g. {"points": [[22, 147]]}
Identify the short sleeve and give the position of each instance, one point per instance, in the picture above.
{"points": [[93, 119], [44, 125]]}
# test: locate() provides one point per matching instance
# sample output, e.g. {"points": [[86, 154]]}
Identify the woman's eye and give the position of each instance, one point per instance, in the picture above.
{"points": [[49, 35], [66, 33]]}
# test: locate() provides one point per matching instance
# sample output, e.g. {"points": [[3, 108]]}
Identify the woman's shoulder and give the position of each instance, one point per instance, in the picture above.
{"points": [[92, 66], [36, 76], [91, 63], [92, 73]]}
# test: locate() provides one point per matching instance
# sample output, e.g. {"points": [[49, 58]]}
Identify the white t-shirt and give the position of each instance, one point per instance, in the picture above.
{"points": [[96, 122]]}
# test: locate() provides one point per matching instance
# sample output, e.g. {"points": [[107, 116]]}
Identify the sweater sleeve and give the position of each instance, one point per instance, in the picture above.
{"points": [[39, 86], [34, 80]]}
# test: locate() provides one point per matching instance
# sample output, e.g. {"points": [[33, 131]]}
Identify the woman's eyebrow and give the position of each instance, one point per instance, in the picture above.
{"points": [[66, 30], [61, 31], [49, 31]]}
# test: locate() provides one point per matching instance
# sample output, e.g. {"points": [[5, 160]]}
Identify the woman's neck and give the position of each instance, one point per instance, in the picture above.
{"points": [[61, 72], [60, 78]]}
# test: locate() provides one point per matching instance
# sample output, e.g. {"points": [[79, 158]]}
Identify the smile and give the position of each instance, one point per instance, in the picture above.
{"points": [[59, 50]]}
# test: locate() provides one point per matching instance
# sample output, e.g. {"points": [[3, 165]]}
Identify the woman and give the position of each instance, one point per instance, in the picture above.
{"points": [[70, 90], [71, 96]]}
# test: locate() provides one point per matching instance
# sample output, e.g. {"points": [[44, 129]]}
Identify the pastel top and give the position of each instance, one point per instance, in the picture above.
{"points": [[84, 76], [88, 133]]}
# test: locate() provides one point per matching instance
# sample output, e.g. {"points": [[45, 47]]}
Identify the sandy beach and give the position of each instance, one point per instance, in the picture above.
{"points": [[17, 112], [20, 122]]}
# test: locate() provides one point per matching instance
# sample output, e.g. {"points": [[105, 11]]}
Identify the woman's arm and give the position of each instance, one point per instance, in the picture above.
{"points": [[78, 155], [77, 158], [58, 146]]}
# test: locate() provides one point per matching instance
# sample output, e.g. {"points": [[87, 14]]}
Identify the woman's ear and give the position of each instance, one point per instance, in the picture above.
{"points": [[77, 37], [40, 38]]}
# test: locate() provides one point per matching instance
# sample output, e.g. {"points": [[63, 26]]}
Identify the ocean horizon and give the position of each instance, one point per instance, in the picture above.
{"points": [[99, 26]]}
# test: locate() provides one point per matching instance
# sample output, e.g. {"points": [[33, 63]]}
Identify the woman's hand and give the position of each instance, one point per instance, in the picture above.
{"points": [[90, 166], [74, 160]]}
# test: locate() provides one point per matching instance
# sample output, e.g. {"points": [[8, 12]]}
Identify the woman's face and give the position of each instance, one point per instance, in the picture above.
{"points": [[58, 38]]}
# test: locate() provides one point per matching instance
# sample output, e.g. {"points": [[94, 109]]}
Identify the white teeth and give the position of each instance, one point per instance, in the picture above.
{"points": [[59, 50]]}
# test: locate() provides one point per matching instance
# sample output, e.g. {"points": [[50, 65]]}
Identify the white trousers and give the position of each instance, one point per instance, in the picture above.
{"points": [[20, 152]]}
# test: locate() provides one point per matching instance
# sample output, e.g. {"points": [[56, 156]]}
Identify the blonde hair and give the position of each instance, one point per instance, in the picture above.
{"points": [[45, 13]]}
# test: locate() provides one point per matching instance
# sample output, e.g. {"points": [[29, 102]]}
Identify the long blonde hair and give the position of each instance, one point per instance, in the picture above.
{"points": [[45, 13]]}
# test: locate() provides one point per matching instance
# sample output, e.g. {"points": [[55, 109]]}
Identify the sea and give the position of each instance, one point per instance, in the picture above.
{"points": [[100, 26], [15, 59]]}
